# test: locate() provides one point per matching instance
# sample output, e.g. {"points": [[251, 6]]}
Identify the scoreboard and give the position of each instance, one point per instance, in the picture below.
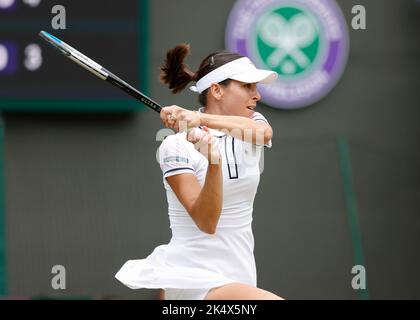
{"points": [[34, 77]]}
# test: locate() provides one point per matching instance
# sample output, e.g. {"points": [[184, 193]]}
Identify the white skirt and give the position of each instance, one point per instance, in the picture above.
{"points": [[154, 273], [195, 260], [185, 294]]}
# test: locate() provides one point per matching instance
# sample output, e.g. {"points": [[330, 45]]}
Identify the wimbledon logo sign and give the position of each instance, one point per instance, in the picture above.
{"points": [[304, 41]]}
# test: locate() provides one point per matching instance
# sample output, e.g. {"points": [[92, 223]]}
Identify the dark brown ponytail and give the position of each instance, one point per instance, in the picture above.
{"points": [[177, 75], [175, 72]]}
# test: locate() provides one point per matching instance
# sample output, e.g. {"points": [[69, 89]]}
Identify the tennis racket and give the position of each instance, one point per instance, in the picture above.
{"points": [[98, 70]]}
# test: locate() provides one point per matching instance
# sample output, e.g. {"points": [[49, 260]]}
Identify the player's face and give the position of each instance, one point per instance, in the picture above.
{"points": [[240, 99]]}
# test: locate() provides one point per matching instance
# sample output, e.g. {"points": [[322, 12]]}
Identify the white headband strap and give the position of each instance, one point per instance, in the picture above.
{"points": [[222, 73]]}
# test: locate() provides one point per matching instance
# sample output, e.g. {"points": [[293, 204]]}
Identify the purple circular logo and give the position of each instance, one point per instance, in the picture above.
{"points": [[305, 41]]}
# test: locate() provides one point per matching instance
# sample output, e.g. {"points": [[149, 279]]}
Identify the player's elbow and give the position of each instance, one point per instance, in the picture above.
{"points": [[263, 134], [209, 229], [263, 139], [208, 223], [268, 135]]}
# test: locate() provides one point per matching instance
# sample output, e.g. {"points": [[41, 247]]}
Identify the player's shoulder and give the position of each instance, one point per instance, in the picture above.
{"points": [[174, 140], [257, 116]]}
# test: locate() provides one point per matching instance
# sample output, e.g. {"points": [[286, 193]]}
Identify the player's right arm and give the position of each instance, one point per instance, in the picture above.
{"points": [[204, 204]]}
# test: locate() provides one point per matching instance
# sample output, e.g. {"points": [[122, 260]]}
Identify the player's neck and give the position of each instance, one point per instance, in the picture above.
{"points": [[213, 109]]}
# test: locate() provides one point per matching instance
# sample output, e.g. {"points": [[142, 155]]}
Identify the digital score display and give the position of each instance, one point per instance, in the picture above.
{"points": [[34, 77]]}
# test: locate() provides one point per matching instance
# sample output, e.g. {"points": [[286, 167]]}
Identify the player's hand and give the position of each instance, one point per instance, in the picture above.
{"points": [[205, 143], [179, 119]]}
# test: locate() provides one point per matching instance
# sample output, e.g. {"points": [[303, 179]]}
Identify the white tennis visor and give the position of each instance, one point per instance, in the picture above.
{"points": [[241, 69]]}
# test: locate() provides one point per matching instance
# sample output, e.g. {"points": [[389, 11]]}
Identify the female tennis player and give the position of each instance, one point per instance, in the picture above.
{"points": [[211, 177]]}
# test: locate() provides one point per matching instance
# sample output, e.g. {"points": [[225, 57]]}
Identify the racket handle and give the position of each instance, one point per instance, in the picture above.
{"points": [[112, 78]]}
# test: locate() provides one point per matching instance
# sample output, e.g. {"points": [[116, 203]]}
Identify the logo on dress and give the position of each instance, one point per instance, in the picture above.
{"points": [[305, 41]]}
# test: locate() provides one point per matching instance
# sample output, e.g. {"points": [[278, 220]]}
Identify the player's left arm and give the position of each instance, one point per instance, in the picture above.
{"points": [[246, 129], [256, 131]]}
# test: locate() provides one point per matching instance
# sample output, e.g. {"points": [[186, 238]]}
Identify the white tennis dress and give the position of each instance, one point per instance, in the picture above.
{"points": [[193, 259]]}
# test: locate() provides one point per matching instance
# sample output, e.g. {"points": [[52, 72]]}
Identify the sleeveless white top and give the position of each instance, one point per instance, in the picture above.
{"points": [[193, 259]]}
